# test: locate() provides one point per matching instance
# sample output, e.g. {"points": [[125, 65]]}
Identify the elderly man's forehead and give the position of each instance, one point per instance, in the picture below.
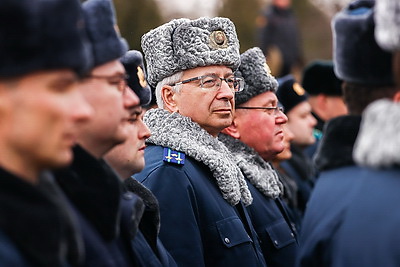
{"points": [[221, 71]]}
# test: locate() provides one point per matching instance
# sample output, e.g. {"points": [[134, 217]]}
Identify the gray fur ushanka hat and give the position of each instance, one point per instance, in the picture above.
{"points": [[107, 44], [256, 74], [184, 44], [387, 19]]}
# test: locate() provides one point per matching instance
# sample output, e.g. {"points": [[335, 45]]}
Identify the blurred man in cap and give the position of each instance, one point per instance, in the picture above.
{"points": [[301, 123], [43, 51], [324, 93], [201, 191], [107, 214]]}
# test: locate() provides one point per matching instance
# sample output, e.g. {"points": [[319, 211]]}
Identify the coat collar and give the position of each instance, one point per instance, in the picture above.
{"points": [[255, 169], [35, 220], [378, 142], [182, 134], [95, 190]]}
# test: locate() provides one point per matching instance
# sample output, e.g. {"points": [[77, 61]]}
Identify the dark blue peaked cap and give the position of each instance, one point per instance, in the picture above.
{"points": [[42, 35], [107, 44], [133, 63], [357, 57]]}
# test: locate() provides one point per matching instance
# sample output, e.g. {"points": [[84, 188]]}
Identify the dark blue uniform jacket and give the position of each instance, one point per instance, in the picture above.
{"points": [[198, 227]]}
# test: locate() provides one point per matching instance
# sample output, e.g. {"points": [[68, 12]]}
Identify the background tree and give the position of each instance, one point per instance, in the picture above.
{"points": [[135, 18], [243, 14]]}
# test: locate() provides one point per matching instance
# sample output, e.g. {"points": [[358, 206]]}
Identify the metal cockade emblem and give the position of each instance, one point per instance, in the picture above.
{"points": [[298, 89], [142, 79], [218, 40]]}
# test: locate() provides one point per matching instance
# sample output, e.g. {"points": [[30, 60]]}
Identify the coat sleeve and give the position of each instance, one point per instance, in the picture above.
{"points": [[179, 232]]}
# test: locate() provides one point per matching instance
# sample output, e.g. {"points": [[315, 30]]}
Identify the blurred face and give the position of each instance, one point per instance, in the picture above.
{"points": [[106, 91], [335, 107], [301, 123], [286, 153], [261, 129], [212, 110], [128, 158], [328, 107], [41, 113], [282, 3]]}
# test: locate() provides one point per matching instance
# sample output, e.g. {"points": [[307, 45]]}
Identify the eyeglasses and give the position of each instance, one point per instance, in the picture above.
{"points": [[214, 83], [269, 110], [120, 81]]}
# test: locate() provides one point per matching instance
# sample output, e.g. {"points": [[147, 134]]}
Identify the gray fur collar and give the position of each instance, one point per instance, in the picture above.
{"points": [[387, 20], [182, 134], [255, 169], [378, 142]]}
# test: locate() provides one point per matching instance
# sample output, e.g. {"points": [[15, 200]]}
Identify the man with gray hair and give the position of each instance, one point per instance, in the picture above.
{"points": [[201, 191]]}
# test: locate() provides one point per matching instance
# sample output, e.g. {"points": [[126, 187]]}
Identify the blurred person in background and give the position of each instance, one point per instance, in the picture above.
{"points": [[107, 215], [301, 123], [279, 38], [340, 196], [325, 96], [289, 185], [373, 213]]}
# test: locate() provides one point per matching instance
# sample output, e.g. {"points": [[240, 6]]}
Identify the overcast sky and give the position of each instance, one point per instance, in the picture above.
{"points": [[189, 8], [197, 8]]}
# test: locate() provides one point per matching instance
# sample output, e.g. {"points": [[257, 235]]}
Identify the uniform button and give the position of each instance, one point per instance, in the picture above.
{"points": [[227, 240], [276, 242], [292, 234]]}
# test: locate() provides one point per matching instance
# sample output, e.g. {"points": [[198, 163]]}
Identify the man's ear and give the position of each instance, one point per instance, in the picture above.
{"points": [[396, 97], [232, 130], [169, 97]]}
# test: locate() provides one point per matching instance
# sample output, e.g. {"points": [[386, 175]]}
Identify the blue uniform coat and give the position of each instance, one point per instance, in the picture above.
{"points": [[368, 235], [35, 227], [332, 193], [198, 226], [107, 216], [277, 238]]}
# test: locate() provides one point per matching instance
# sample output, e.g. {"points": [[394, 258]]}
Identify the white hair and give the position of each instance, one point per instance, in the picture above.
{"points": [[168, 81]]}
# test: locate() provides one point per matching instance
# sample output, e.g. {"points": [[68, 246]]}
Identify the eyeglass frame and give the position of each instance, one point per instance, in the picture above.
{"points": [[276, 109], [213, 76], [122, 83]]}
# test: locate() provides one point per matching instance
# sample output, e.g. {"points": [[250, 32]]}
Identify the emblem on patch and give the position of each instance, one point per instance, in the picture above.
{"points": [[142, 79], [218, 40], [173, 156], [298, 89]]}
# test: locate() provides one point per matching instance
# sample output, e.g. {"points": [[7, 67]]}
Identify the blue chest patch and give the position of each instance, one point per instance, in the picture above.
{"points": [[173, 156]]}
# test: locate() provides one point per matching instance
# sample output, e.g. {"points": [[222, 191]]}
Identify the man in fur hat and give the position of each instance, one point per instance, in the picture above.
{"points": [[43, 51], [367, 74], [254, 138], [201, 192]]}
